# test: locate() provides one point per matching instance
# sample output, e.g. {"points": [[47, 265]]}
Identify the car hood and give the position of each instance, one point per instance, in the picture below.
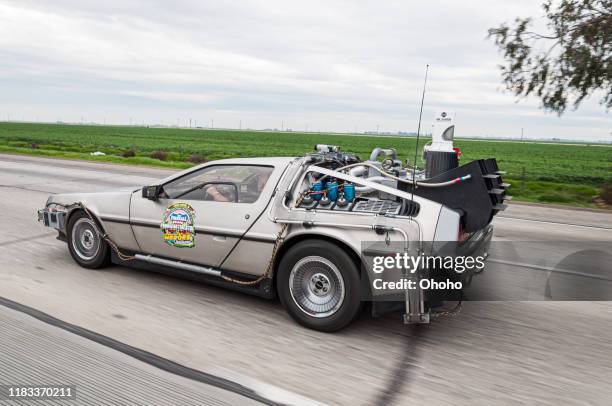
{"points": [[114, 199]]}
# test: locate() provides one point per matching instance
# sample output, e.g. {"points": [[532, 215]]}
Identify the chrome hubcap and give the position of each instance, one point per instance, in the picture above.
{"points": [[85, 239], [319, 284], [316, 286]]}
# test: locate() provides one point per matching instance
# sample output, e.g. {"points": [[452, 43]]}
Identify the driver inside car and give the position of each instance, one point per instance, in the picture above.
{"points": [[218, 194], [223, 193], [228, 184]]}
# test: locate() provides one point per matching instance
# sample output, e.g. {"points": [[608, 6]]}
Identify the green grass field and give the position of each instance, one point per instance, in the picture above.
{"points": [[569, 174]]}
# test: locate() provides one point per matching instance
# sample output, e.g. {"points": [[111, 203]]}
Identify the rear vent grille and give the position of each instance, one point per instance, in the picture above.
{"points": [[409, 208], [378, 206], [495, 186]]}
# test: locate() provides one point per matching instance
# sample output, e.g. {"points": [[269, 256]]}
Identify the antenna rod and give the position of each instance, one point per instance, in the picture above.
{"points": [[416, 148]]}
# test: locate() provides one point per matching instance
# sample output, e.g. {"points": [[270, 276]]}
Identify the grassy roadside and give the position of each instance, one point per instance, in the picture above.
{"points": [[137, 161], [545, 173], [550, 192]]}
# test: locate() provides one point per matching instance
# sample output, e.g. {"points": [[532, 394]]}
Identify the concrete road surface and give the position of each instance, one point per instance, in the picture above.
{"points": [[36, 353], [547, 353]]}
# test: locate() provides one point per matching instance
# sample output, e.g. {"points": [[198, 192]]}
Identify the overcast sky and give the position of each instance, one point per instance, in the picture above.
{"points": [[329, 65]]}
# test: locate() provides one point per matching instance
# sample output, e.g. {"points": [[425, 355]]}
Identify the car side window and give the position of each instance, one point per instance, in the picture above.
{"points": [[220, 183]]}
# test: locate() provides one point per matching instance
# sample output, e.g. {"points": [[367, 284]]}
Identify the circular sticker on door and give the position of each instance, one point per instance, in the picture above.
{"points": [[177, 226]]}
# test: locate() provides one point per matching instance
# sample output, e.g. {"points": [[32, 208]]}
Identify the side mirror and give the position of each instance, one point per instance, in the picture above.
{"points": [[151, 192]]}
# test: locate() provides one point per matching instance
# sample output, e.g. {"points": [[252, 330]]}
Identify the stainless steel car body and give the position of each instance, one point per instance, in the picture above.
{"points": [[242, 238], [249, 230]]}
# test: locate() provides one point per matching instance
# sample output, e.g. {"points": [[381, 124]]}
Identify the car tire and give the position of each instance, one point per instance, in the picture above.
{"points": [[86, 245], [318, 284]]}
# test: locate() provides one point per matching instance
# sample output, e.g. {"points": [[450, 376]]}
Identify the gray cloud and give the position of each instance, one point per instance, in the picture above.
{"points": [[341, 65]]}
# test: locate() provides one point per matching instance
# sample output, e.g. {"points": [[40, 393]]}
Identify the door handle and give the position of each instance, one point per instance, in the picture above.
{"points": [[220, 238]]}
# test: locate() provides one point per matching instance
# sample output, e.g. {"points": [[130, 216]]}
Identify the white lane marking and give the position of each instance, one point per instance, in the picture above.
{"points": [[547, 269], [555, 222], [266, 390]]}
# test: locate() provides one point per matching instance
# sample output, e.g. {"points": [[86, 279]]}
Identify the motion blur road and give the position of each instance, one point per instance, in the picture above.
{"points": [[538, 352]]}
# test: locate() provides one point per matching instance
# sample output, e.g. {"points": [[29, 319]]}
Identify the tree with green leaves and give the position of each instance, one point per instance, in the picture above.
{"points": [[563, 66]]}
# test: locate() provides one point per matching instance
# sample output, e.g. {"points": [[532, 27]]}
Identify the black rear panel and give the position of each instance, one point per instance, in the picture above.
{"points": [[478, 199]]}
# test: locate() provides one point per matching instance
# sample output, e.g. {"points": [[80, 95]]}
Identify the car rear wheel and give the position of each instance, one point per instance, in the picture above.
{"points": [[85, 243], [318, 283]]}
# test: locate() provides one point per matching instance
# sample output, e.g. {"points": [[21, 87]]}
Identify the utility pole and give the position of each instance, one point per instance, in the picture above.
{"points": [[377, 128], [282, 125], [521, 134], [212, 123], [189, 123]]}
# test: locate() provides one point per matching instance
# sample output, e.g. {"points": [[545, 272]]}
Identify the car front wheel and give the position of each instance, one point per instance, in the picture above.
{"points": [[85, 243], [318, 283]]}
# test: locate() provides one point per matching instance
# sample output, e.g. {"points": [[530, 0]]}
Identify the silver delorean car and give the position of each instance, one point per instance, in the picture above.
{"points": [[293, 228]]}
